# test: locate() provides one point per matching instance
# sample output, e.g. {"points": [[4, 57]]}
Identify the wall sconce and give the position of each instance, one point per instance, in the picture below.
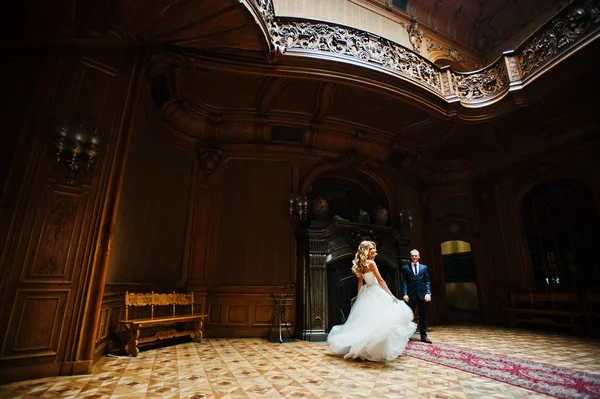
{"points": [[76, 150], [406, 220], [298, 207]]}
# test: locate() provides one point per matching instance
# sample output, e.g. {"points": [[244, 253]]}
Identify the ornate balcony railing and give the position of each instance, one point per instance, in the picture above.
{"points": [[576, 25], [353, 45]]}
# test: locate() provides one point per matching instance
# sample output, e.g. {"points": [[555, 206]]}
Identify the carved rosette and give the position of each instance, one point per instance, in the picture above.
{"points": [[581, 19], [482, 85], [355, 44]]}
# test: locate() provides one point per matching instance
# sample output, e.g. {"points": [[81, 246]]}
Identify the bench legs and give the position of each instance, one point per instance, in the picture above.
{"points": [[133, 333], [132, 341]]}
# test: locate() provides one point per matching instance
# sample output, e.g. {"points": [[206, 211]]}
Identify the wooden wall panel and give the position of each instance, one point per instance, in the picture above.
{"points": [[254, 226], [58, 222], [237, 315], [148, 244], [52, 254], [245, 315], [35, 325], [215, 312], [263, 315]]}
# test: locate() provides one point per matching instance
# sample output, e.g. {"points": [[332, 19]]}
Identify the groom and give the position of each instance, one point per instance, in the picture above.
{"points": [[417, 290]]}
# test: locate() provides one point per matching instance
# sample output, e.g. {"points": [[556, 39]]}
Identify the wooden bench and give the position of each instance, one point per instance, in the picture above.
{"points": [[185, 302], [546, 309]]}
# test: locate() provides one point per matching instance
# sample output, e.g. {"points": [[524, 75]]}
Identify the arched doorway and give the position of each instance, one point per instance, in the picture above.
{"points": [[345, 206], [462, 298]]}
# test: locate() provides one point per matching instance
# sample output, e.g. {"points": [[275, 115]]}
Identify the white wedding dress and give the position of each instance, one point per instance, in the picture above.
{"points": [[377, 328]]}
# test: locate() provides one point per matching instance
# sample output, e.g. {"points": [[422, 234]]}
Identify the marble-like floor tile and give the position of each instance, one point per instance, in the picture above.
{"points": [[254, 368]]}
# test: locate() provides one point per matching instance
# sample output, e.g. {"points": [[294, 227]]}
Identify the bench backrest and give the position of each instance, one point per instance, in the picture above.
{"points": [[173, 299]]}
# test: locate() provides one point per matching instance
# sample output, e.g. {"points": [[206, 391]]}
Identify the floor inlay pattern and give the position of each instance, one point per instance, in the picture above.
{"points": [[255, 368]]}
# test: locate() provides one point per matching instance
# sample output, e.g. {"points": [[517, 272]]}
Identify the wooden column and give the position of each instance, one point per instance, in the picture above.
{"points": [[432, 257], [491, 257]]}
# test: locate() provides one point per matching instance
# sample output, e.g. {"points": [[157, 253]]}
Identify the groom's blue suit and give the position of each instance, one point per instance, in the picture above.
{"points": [[416, 286]]}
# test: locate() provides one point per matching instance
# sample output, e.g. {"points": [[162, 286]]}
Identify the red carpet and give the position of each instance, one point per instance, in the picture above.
{"points": [[539, 377]]}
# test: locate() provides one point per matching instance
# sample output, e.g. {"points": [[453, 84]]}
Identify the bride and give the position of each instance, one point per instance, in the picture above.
{"points": [[379, 325]]}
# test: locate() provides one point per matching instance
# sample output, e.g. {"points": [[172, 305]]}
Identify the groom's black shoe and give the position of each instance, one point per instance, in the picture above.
{"points": [[426, 340]]}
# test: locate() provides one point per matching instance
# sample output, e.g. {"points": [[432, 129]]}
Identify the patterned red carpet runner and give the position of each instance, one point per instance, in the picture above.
{"points": [[539, 377]]}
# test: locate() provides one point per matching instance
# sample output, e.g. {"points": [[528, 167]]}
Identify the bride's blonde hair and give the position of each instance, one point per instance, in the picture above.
{"points": [[361, 257]]}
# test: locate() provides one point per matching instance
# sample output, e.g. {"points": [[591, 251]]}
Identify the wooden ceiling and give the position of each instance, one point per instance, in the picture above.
{"points": [[228, 93], [189, 23]]}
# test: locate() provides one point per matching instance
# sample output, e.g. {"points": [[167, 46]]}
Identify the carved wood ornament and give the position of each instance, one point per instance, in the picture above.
{"points": [[209, 161]]}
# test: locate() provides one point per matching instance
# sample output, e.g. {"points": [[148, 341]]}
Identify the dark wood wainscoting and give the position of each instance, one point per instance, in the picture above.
{"points": [[245, 315]]}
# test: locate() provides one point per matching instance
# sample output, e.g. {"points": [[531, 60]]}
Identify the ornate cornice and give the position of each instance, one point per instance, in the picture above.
{"points": [[573, 27]]}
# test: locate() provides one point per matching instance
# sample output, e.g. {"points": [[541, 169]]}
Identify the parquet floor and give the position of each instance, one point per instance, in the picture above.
{"points": [[255, 368]]}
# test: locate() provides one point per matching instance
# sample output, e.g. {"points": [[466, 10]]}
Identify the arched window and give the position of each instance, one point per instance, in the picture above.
{"points": [[562, 228]]}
